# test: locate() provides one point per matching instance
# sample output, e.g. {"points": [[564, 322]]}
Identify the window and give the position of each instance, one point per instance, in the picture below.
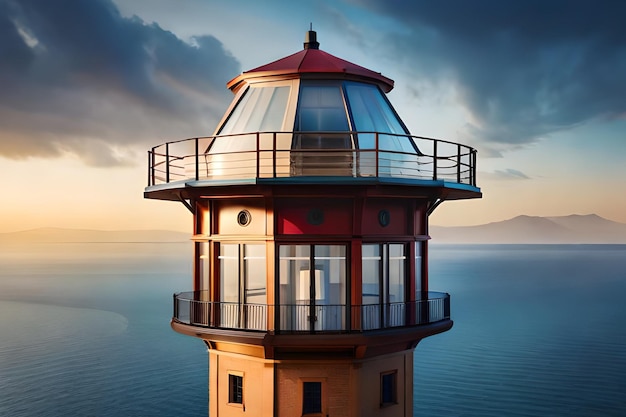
{"points": [[388, 388], [311, 397], [312, 287], [383, 285], [260, 109], [235, 389], [371, 112], [203, 271], [418, 270], [321, 109], [242, 286]]}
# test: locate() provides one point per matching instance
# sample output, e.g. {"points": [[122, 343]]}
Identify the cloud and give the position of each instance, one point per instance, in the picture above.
{"points": [[522, 69], [77, 77], [507, 174]]}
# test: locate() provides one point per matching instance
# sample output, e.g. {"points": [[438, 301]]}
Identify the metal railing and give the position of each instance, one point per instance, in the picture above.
{"points": [[195, 309], [269, 155]]}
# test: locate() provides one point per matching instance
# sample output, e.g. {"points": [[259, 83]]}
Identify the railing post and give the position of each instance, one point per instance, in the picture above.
{"points": [[149, 168], [274, 154], [435, 160], [258, 156], [197, 160], [167, 163], [458, 163], [473, 167], [154, 166], [377, 152]]}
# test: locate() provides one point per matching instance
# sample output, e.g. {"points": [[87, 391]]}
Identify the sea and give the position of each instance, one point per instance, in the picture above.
{"points": [[539, 330]]}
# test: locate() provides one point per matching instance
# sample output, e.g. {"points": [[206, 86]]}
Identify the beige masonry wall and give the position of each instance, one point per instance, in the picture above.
{"points": [[349, 388], [258, 385], [369, 377]]}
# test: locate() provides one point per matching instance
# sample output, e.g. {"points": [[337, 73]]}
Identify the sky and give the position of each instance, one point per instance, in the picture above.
{"points": [[88, 87]]}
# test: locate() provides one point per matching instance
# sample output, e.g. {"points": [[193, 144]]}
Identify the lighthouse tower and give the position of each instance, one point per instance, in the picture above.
{"points": [[310, 205]]}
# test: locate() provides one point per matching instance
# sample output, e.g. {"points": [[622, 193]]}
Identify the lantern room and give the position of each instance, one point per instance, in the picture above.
{"points": [[310, 206]]}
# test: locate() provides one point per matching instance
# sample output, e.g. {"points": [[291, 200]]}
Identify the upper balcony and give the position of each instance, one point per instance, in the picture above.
{"points": [[311, 157]]}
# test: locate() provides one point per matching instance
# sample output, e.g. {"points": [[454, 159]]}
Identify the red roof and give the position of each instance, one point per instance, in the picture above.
{"points": [[313, 61]]}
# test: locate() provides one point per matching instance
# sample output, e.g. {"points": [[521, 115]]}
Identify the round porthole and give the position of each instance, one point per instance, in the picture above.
{"points": [[384, 218], [244, 218], [315, 217]]}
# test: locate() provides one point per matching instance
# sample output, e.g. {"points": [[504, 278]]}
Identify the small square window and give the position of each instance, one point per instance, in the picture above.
{"points": [[235, 389], [388, 388], [311, 397]]}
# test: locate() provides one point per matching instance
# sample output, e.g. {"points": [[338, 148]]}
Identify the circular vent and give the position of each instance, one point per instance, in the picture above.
{"points": [[384, 217], [315, 217], [244, 218]]}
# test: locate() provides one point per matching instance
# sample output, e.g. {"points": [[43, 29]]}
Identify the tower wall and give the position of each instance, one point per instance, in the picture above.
{"points": [[258, 385]]}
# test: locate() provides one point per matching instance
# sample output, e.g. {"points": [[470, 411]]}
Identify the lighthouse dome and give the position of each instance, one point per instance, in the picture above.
{"points": [[318, 100], [306, 116]]}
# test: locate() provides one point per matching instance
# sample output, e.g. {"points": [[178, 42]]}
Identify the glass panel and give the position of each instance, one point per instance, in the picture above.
{"points": [[370, 110], [371, 286], [387, 142], [396, 278], [235, 389], [255, 292], [254, 266], [418, 270], [293, 294], [311, 397], [330, 287], [202, 249], [388, 388], [242, 113], [397, 262], [260, 109], [229, 272], [229, 285], [275, 114], [321, 109]]}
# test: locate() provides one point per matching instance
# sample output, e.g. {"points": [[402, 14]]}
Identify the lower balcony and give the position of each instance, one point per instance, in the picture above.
{"points": [[193, 309]]}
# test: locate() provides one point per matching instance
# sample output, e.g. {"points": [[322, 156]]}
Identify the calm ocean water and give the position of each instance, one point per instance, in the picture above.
{"points": [[539, 331]]}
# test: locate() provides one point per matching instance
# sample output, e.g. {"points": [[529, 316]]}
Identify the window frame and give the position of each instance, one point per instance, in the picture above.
{"points": [[234, 398], [284, 299], [385, 280], [242, 280], [323, 396], [288, 117], [385, 376]]}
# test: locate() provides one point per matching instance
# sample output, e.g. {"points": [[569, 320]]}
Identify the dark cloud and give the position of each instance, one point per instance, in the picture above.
{"points": [[524, 69], [77, 77]]}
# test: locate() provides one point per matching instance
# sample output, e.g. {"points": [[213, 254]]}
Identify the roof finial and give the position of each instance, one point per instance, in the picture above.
{"points": [[310, 40]]}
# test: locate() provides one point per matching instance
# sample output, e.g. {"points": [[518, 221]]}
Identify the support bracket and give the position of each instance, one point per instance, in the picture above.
{"points": [[434, 206], [188, 204]]}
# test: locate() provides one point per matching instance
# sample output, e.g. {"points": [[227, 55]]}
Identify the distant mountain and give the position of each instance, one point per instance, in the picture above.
{"points": [[589, 228], [60, 235]]}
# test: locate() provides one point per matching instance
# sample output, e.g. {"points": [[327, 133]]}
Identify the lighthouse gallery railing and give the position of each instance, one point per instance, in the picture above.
{"points": [[270, 155], [191, 308]]}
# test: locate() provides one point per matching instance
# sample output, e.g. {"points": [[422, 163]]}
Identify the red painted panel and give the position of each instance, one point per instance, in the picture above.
{"points": [[297, 219], [397, 218]]}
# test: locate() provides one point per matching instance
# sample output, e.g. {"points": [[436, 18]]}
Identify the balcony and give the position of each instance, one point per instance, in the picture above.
{"points": [[268, 156], [192, 308]]}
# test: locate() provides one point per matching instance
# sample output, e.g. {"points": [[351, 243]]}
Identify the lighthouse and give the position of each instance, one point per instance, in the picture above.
{"points": [[310, 206]]}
